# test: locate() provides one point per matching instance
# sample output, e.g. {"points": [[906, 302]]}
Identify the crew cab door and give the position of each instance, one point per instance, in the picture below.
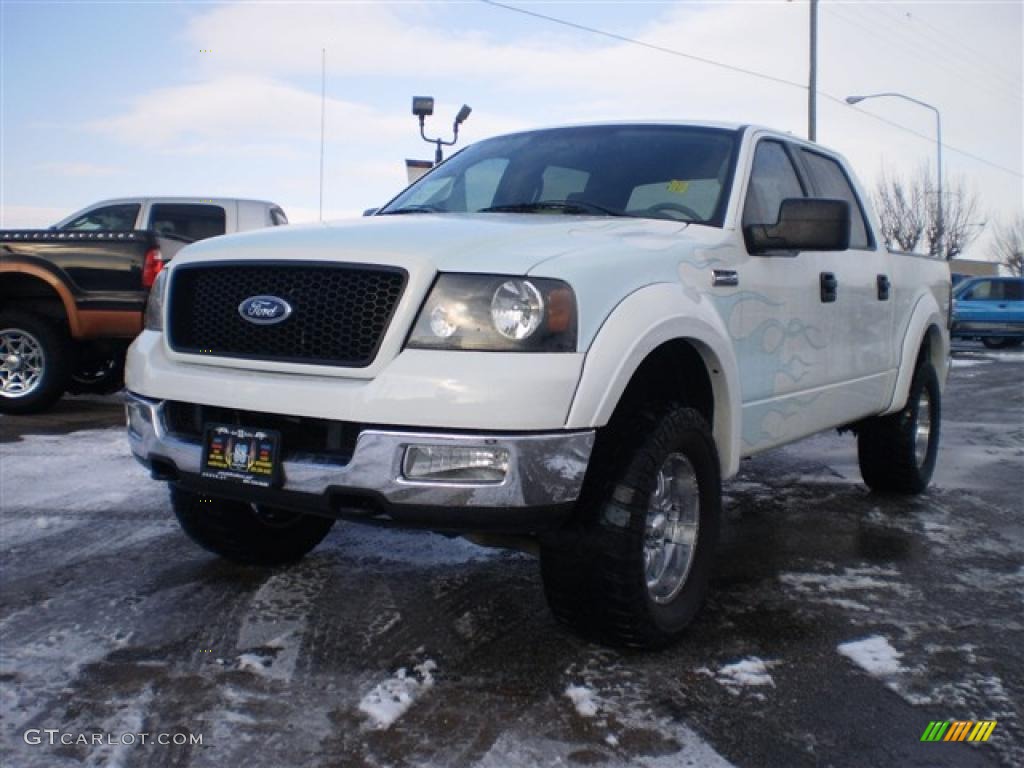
{"points": [[779, 324], [863, 351]]}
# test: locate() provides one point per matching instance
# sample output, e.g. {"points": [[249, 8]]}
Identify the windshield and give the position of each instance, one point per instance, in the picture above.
{"points": [[679, 173]]}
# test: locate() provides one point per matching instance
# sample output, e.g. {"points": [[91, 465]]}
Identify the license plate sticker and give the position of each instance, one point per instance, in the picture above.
{"points": [[247, 455]]}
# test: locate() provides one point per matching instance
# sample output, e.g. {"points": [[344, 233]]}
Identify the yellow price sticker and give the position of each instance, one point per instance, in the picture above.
{"points": [[677, 186]]}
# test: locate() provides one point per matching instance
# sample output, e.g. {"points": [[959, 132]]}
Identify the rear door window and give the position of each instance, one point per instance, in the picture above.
{"points": [[830, 181], [187, 221], [277, 217], [110, 218], [1013, 290]]}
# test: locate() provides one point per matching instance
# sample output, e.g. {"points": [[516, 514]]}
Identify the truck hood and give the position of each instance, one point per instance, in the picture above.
{"points": [[498, 243]]}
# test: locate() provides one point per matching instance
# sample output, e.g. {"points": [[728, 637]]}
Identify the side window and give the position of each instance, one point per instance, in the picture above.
{"points": [[277, 217], [112, 218], [186, 221], [482, 182], [772, 180], [980, 291], [829, 180], [1014, 290]]}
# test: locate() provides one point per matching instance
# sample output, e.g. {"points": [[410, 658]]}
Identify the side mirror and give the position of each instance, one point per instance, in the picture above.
{"points": [[804, 224], [370, 211]]}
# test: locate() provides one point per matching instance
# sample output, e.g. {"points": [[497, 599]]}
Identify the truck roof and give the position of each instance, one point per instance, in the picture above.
{"points": [[178, 199]]}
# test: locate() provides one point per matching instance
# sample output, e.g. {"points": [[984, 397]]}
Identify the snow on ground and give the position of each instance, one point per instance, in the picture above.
{"points": [[840, 589], [615, 706], [751, 671], [276, 619], [391, 698], [874, 655], [99, 460], [414, 548], [583, 699]]}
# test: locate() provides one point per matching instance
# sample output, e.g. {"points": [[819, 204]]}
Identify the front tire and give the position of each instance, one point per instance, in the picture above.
{"points": [[634, 567], [897, 453], [35, 362], [247, 533]]}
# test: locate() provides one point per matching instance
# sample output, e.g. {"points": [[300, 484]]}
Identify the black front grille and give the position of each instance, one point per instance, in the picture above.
{"points": [[300, 436], [339, 312]]}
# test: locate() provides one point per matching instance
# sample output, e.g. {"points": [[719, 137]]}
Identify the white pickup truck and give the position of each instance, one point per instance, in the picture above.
{"points": [[565, 337]]}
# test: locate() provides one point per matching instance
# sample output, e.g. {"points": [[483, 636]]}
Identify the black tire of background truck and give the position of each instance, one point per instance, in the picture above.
{"points": [[1000, 342], [888, 449], [98, 378], [245, 534], [56, 352], [594, 571]]}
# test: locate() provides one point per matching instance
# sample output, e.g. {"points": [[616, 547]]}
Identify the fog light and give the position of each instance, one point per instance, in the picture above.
{"points": [[455, 463]]}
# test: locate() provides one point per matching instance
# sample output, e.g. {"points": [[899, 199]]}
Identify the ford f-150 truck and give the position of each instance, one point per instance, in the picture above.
{"points": [[71, 297], [561, 338]]}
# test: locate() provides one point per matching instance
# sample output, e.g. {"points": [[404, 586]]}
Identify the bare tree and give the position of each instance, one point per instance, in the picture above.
{"points": [[909, 214], [1008, 245], [901, 210]]}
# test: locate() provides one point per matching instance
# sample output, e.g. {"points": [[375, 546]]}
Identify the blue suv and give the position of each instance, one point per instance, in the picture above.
{"points": [[990, 309]]}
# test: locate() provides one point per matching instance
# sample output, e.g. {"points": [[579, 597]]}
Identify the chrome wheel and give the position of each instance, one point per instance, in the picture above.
{"points": [[670, 538], [21, 363], [922, 428]]}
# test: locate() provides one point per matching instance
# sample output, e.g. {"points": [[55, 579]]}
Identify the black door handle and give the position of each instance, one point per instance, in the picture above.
{"points": [[829, 287], [883, 287]]}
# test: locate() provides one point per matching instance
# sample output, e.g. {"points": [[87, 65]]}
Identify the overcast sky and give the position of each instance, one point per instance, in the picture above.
{"points": [[128, 98]]}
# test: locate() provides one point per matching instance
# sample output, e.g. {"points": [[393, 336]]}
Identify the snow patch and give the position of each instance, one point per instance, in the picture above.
{"points": [[391, 699], [874, 655], [254, 662], [836, 588], [413, 548], [583, 699], [751, 671]]}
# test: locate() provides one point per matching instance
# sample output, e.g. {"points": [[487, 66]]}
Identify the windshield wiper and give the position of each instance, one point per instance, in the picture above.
{"points": [[414, 209], [569, 206]]}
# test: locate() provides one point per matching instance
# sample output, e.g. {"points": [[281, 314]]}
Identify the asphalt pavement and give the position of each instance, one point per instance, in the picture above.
{"points": [[840, 623]]}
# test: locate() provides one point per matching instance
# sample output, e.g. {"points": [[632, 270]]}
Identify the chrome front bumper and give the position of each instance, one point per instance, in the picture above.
{"points": [[544, 470]]}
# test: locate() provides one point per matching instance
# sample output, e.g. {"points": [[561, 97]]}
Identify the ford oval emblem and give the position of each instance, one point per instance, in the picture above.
{"points": [[264, 310]]}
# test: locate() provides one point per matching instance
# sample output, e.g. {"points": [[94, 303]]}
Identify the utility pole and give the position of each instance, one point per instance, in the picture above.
{"points": [[812, 86]]}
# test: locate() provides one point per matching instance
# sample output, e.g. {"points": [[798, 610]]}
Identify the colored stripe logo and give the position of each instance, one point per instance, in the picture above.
{"points": [[958, 730]]}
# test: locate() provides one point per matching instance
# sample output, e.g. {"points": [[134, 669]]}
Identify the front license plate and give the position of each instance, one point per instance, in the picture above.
{"points": [[241, 454]]}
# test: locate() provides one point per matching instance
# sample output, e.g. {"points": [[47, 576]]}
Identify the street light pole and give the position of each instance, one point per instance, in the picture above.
{"points": [[812, 85], [940, 211]]}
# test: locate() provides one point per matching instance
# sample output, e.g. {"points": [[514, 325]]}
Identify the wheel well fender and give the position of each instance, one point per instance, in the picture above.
{"points": [[24, 283], [925, 336], [662, 329]]}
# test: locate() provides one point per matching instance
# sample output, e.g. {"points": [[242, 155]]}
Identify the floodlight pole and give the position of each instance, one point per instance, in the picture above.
{"points": [[940, 211], [812, 85], [459, 119]]}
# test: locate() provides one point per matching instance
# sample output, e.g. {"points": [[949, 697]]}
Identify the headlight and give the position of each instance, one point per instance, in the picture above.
{"points": [[154, 317], [495, 313]]}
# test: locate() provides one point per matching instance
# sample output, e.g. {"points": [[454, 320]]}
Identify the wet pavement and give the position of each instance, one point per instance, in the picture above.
{"points": [[839, 625]]}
